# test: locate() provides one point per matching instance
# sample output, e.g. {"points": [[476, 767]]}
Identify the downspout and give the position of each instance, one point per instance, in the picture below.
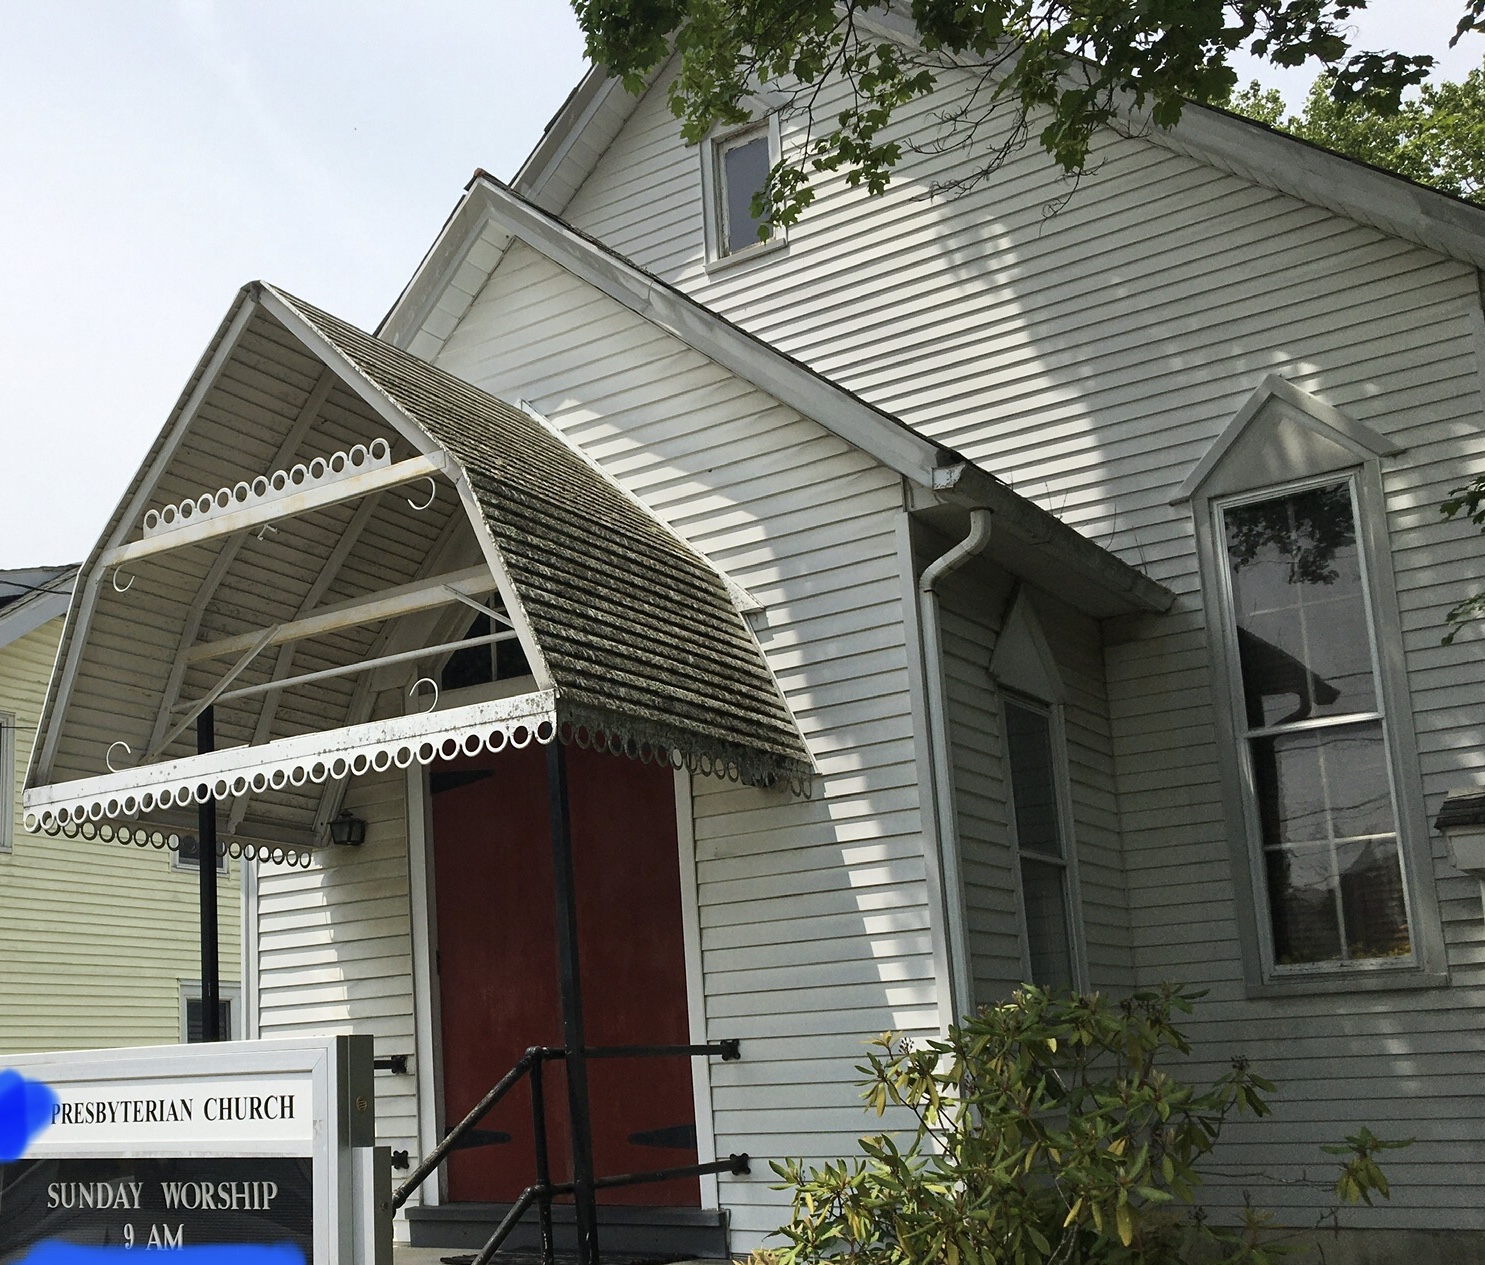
{"points": [[961, 989]]}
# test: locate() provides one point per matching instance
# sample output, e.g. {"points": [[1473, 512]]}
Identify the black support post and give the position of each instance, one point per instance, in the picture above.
{"points": [[206, 860], [579, 1116]]}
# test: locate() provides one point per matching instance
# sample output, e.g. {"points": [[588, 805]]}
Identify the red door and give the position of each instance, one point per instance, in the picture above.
{"points": [[497, 965]]}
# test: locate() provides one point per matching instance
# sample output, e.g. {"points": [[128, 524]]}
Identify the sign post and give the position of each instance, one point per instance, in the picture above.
{"points": [[238, 1153]]}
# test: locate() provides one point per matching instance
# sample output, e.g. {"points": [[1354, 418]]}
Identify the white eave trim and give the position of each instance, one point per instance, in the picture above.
{"points": [[1367, 194], [594, 93], [35, 609], [331, 755], [416, 304], [1275, 160], [891, 442]]}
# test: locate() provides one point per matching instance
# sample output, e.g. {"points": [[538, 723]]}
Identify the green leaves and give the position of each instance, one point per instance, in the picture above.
{"points": [[1361, 1176], [1066, 66], [1468, 500], [1041, 1131], [1436, 138]]}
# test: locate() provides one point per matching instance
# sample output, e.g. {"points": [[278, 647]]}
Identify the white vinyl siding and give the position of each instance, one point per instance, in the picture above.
{"points": [[813, 913], [973, 605], [334, 951], [1090, 358]]}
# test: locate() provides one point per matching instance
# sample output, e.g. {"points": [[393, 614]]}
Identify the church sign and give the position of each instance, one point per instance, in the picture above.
{"points": [[236, 1153]]}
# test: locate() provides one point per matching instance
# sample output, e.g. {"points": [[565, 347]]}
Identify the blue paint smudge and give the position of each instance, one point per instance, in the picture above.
{"points": [[25, 1110], [56, 1252]]}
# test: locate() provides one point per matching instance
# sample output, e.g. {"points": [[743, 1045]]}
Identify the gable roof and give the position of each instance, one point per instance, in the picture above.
{"points": [[492, 215], [31, 596], [631, 623], [632, 637]]}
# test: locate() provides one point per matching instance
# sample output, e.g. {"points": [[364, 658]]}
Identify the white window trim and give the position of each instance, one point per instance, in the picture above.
{"points": [[8, 773], [1253, 827], [1024, 669], [1358, 452], [1062, 788], [718, 259], [190, 990]]}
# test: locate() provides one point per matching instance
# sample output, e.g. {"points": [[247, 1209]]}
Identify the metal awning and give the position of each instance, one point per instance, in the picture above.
{"points": [[311, 535]]}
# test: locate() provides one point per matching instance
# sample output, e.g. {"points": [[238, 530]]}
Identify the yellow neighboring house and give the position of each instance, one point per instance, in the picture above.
{"points": [[98, 942]]}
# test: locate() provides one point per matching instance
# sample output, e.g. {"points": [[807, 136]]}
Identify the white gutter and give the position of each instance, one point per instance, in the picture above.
{"points": [[961, 986]]}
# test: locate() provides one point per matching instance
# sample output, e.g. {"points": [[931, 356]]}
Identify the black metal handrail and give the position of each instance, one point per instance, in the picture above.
{"points": [[543, 1191], [451, 1140], [729, 1050]]}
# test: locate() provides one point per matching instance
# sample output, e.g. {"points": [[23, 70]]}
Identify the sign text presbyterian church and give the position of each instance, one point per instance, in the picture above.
{"points": [[265, 1147], [175, 1110]]}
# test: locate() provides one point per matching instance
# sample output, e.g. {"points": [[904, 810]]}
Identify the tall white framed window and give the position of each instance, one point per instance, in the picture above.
{"points": [[1323, 810], [735, 168], [1039, 818], [1316, 753], [1038, 800]]}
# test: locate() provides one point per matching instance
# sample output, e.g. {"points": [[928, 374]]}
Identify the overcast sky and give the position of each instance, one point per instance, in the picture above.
{"points": [[157, 154]]}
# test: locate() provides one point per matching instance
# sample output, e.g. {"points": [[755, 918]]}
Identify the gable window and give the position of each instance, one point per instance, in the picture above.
{"points": [[1316, 754], [188, 855], [500, 658], [1313, 734], [742, 171], [1041, 844], [734, 170]]}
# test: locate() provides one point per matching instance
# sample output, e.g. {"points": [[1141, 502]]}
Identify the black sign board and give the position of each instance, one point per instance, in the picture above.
{"points": [[156, 1203]]}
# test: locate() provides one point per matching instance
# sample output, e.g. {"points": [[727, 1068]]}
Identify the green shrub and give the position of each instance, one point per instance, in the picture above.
{"points": [[1047, 1130]]}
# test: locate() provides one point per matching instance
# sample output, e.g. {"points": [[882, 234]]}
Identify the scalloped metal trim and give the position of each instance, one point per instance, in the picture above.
{"points": [[706, 755], [372, 747], [360, 459], [146, 836]]}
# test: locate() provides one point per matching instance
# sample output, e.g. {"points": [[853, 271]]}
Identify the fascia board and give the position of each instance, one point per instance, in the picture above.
{"points": [[876, 433], [1275, 160], [596, 93], [970, 487], [131, 505], [434, 274], [1316, 175]]}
